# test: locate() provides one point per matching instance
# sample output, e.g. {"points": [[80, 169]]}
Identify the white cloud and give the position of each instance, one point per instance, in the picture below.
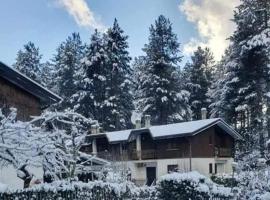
{"points": [[213, 22], [82, 13]]}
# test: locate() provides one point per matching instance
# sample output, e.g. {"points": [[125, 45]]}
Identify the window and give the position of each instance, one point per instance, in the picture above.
{"points": [[210, 140], [172, 168], [210, 168]]}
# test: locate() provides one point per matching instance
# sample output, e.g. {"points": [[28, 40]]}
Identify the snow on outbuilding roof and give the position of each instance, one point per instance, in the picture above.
{"points": [[23, 82]]}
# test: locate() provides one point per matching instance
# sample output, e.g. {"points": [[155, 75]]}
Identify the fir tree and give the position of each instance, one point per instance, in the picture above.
{"points": [[28, 61], [199, 77], [67, 63], [246, 80], [91, 89], [104, 92], [47, 75], [159, 91], [118, 104]]}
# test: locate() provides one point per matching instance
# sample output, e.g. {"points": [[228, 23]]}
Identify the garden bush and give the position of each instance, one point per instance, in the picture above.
{"points": [[225, 180], [191, 185]]}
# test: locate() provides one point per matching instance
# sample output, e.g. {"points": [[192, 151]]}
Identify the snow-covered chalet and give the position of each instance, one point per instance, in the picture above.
{"points": [[149, 152]]}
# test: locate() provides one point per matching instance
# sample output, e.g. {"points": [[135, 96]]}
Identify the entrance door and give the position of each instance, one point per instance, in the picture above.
{"points": [[150, 175]]}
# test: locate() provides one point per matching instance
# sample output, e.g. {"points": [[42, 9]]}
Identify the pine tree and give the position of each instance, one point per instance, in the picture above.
{"points": [[67, 63], [90, 96], [119, 101], [47, 75], [246, 80], [199, 77], [159, 92], [215, 92], [28, 61], [105, 90]]}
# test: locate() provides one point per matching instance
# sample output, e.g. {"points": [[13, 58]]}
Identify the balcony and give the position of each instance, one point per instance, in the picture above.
{"points": [[145, 154], [156, 154], [223, 152]]}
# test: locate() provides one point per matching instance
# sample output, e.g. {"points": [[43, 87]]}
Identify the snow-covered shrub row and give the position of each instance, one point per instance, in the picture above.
{"points": [[68, 190], [225, 179], [251, 177], [191, 185], [144, 192]]}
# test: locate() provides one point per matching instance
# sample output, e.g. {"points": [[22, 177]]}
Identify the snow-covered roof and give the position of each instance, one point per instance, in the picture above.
{"points": [[190, 128], [182, 129], [118, 136], [23, 82]]}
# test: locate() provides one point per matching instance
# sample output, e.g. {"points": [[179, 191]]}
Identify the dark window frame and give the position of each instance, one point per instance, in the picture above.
{"points": [[172, 168], [210, 168]]}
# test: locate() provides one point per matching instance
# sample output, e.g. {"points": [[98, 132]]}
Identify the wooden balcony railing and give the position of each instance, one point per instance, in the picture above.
{"points": [[149, 154], [145, 154], [223, 152], [156, 154]]}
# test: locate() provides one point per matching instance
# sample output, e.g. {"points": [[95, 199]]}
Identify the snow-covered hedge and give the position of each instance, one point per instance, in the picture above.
{"points": [[97, 190], [225, 179], [191, 185], [178, 186]]}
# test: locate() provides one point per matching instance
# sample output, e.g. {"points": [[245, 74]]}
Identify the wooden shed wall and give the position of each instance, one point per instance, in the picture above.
{"points": [[12, 96]]}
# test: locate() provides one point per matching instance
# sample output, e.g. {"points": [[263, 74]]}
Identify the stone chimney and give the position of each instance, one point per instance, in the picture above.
{"points": [[147, 121], [138, 123], [94, 129], [204, 113]]}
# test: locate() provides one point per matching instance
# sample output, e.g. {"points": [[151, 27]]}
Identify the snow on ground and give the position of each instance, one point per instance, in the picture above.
{"points": [[8, 176], [3, 187]]}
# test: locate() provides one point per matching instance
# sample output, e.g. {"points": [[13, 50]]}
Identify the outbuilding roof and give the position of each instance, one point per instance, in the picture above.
{"points": [[23, 82], [183, 129]]}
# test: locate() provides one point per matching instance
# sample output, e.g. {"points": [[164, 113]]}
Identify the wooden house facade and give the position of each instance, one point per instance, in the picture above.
{"points": [[206, 146], [19, 91]]}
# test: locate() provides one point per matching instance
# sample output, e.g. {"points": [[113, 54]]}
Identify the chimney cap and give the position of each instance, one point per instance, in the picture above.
{"points": [[138, 123], [204, 113], [147, 121], [94, 128]]}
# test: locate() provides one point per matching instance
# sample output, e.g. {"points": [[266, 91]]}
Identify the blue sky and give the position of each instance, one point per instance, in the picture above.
{"points": [[49, 22]]}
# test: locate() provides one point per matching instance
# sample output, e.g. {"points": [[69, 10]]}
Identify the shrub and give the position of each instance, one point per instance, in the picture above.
{"points": [[76, 190], [191, 185], [225, 180]]}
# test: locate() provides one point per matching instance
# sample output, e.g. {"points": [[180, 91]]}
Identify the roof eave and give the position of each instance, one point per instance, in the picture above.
{"points": [[48, 96]]}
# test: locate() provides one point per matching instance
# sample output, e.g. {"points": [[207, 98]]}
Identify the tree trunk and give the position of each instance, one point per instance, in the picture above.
{"points": [[27, 176]]}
